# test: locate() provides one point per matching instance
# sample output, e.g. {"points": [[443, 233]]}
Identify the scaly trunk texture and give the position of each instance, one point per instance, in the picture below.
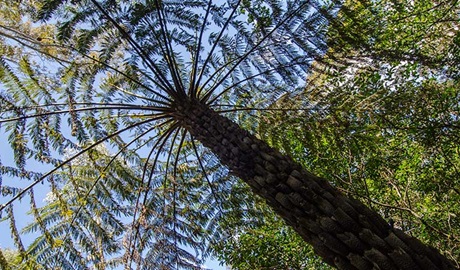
{"points": [[343, 231]]}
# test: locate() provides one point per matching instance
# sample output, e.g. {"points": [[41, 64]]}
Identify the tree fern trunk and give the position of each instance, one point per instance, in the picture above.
{"points": [[343, 231]]}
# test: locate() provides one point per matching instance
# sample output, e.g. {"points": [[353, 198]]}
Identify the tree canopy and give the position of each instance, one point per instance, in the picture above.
{"points": [[383, 114], [362, 93]]}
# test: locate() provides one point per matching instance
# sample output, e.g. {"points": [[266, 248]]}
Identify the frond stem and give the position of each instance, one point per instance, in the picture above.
{"points": [[227, 22], [105, 168], [160, 144], [268, 71], [169, 53], [289, 16], [26, 189], [163, 81], [193, 89], [213, 192], [140, 108]]}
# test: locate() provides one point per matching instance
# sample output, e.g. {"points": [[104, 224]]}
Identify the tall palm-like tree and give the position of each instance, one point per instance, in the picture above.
{"points": [[169, 73]]}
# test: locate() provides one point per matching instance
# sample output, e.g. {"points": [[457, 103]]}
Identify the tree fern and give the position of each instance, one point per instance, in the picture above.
{"points": [[134, 85]]}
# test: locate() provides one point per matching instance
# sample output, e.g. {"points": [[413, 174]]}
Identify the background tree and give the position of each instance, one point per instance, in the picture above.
{"points": [[140, 80], [388, 102], [266, 243], [9, 258]]}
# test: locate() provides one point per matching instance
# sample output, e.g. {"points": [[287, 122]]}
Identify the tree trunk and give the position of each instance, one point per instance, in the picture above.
{"points": [[342, 230]]}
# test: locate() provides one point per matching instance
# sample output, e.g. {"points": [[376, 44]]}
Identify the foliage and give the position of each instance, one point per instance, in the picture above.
{"points": [[87, 94], [9, 258], [268, 244], [379, 115]]}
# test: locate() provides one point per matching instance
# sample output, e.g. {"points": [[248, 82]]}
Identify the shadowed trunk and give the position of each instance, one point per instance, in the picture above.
{"points": [[343, 231]]}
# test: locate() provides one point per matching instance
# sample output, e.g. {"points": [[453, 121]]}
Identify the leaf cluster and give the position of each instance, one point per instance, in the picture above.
{"points": [[379, 115]]}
